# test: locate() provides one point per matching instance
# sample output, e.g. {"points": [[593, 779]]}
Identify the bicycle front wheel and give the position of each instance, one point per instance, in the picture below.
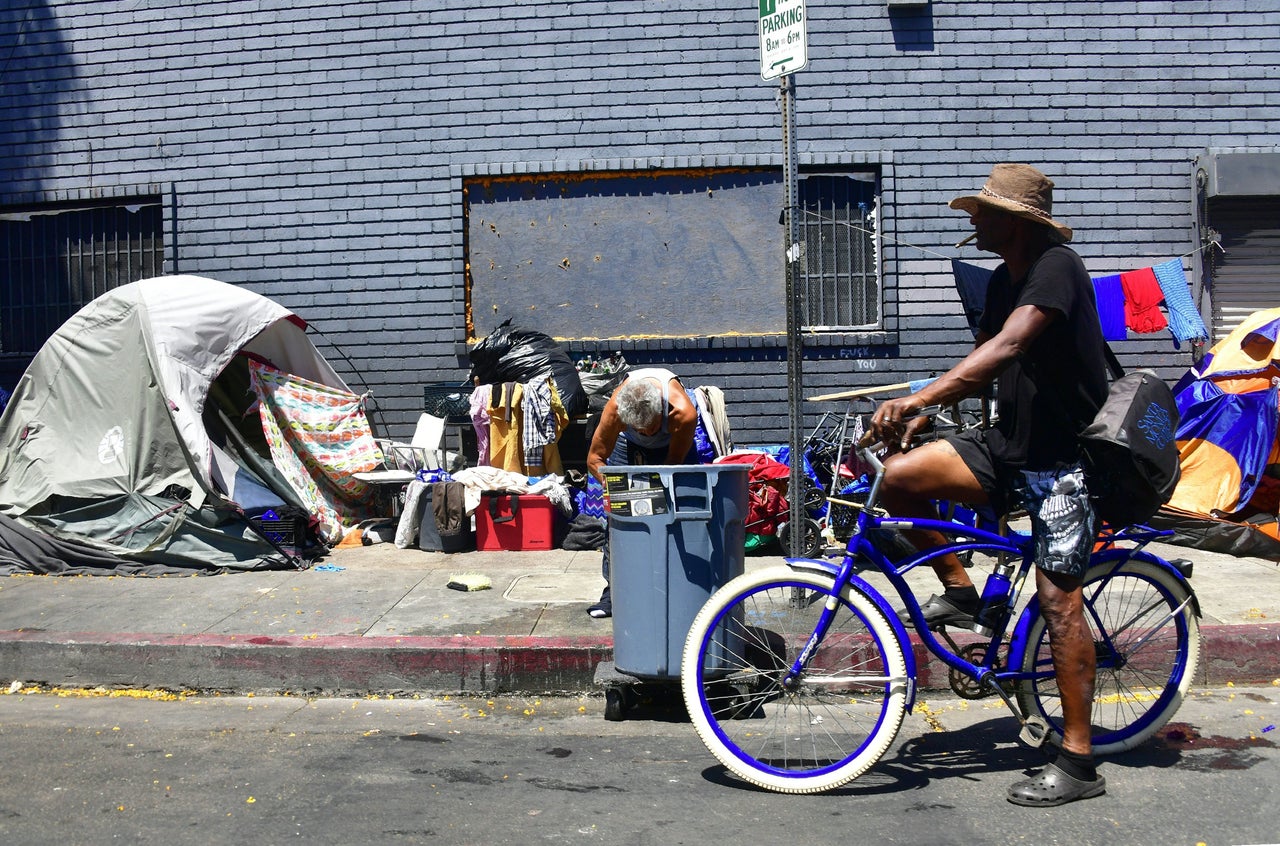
{"points": [[1147, 640], [824, 727]]}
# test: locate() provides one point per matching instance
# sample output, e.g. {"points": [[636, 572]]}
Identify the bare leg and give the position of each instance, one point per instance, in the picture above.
{"points": [[1074, 658], [1071, 776], [912, 480]]}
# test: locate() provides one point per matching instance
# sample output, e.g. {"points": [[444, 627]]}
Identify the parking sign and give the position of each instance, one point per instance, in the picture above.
{"points": [[784, 42]]}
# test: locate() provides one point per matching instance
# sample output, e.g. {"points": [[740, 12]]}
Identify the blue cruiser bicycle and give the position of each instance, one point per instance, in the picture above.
{"points": [[797, 677]]}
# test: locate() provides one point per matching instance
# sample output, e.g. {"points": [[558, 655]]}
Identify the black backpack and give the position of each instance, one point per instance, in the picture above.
{"points": [[1130, 454]]}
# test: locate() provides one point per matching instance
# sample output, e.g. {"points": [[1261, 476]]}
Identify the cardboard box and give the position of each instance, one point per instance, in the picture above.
{"points": [[517, 522]]}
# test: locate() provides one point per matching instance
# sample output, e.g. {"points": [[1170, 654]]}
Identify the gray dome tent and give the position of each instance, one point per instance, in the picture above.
{"points": [[127, 433]]}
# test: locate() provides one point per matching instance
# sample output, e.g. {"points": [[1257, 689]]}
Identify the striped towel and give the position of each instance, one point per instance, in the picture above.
{"points": [[1184, 318], [539, 425]]}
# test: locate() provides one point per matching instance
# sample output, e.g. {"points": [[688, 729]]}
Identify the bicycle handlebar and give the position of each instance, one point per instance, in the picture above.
{"points": [[869, 445], [868, 440]]}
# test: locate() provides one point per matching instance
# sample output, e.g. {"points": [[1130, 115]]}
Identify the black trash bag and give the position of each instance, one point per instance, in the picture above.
{"points": [[601, 379], [599, 388], [513, 354]]}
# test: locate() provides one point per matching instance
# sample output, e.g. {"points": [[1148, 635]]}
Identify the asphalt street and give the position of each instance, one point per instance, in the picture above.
{"points": [[85, 768]]}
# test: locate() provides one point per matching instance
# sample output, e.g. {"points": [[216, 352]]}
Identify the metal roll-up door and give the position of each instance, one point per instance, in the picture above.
{"points": [[1246, 272]]}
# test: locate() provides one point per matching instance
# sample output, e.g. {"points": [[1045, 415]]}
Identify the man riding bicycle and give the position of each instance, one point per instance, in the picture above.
{"points": [[1041, 342]]}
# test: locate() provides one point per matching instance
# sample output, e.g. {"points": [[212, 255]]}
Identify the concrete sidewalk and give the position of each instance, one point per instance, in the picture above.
{"points": [[378, 620]]}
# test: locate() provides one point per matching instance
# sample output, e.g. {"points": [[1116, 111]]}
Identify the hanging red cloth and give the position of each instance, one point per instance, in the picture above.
{"points": [[1142, 298]]}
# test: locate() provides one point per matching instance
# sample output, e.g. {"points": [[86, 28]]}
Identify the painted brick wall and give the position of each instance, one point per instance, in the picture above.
{"points": [[314, 151]]}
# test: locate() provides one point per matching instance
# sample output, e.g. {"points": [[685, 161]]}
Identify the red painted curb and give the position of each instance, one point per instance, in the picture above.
{"points": [[311, 641], [331, 664], [1240, 654], [1243, 654]]}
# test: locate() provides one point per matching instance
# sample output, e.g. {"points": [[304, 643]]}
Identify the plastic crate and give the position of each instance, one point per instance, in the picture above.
{"points": [[516, 522], [288, 532], [447, 400]]}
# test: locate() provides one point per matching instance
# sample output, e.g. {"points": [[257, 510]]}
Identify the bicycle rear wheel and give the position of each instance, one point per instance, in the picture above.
{"points": [[1147, 640], [827, 727]]}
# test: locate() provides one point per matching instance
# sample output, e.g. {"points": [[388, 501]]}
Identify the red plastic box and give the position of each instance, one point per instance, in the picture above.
{"points": [[516, 522]]}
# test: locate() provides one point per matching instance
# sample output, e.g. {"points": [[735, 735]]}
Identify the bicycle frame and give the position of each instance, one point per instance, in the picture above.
{"points": [[860, 549]]}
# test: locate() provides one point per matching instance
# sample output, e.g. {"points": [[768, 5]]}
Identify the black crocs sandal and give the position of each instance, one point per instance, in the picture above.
{"points": [[941, 611], [1051, 786]]}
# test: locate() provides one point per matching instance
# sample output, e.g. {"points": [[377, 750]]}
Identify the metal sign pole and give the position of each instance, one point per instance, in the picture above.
{"points": [[784, 49], [795, 314]]}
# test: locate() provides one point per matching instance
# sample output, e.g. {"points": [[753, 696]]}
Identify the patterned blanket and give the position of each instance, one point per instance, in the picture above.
{"points": [[319, 436]]}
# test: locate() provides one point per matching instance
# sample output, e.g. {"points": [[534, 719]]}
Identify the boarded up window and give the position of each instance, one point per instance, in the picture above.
{"points": [[669, 253]]}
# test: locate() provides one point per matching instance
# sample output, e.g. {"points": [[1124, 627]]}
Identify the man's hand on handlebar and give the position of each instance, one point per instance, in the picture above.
{"points": [[897, 422]]}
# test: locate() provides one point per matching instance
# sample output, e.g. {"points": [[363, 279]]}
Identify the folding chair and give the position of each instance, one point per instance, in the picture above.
{"points": [[401, 461]]}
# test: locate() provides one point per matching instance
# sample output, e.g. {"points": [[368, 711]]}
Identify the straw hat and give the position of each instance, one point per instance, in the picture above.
{"points": [[1021, 190]]}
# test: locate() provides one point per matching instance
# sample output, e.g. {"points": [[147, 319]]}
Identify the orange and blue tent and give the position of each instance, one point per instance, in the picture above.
{"points": [[1228, 436]]}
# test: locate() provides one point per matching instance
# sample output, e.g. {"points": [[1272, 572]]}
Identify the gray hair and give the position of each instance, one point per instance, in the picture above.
{"points": [[640, 403]]}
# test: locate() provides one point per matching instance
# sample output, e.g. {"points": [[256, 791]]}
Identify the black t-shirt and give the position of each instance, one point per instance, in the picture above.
{"points": [[1036, 431]]}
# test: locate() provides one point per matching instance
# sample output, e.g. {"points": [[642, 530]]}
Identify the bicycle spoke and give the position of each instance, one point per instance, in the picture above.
{"points": [[865, 681]]}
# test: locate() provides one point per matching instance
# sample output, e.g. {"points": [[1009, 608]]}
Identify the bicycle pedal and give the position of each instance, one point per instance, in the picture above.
{"points": [[1035, 731]]}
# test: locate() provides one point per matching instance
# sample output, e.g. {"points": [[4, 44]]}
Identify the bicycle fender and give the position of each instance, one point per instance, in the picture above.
{"points": [[1150, 558], [899, 630], [1018, 641]]}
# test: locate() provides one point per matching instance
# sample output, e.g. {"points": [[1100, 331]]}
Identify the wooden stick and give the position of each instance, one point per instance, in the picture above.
{"points": [[860, 392]]}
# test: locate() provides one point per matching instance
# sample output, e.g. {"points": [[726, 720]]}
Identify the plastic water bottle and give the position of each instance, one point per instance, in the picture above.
{"points": [[994, 608]]}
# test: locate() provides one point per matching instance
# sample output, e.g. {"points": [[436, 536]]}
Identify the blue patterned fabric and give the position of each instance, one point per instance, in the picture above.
{"points": [[591, 500]]}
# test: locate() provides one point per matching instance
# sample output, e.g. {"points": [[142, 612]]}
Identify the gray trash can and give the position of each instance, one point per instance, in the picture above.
{"points": [[676, 536]]}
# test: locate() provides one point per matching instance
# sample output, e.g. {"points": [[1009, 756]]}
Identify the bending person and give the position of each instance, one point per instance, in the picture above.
{"points": [[650, 419]]}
